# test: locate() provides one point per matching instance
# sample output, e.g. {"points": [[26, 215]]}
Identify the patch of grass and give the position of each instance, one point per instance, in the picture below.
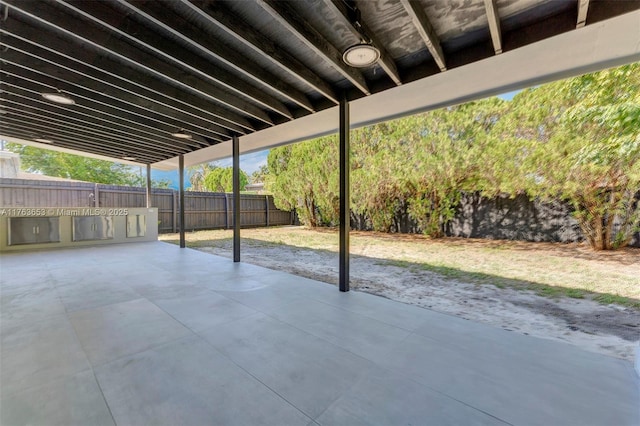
{"points": [[574, 293], [397, 263], [608, 299], [548, 291]]}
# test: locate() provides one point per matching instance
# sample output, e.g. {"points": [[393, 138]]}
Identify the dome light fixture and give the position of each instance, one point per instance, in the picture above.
{"points": [[58, 97], [361, 55], [129, 158], [43, 140], [181, 134]]}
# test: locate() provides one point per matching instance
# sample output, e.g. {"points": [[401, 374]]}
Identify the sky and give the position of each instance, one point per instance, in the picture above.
{"points": [[509, 95], [249, 163], [253, 161]]}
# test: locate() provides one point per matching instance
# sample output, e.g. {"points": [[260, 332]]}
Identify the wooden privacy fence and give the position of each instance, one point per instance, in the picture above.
{"points": [[203, 210]]}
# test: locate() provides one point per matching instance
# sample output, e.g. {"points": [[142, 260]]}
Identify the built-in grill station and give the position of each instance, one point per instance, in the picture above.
{"points": [[25, 228]]}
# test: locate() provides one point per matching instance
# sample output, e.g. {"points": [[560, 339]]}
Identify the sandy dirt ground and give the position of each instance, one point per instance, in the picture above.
{"points": [[609, 329]]}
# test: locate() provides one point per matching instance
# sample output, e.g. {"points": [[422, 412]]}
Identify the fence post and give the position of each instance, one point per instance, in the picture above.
{"points": [[227, 222], [174, 208], [266, 209]]}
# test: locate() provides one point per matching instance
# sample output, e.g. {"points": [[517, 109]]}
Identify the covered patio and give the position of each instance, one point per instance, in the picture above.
{"points": [[149, 333]]}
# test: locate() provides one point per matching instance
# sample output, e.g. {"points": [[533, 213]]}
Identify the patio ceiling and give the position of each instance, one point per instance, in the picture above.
{"points": [[265, 70]]}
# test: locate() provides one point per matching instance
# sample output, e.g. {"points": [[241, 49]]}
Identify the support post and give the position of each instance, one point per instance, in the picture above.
{"points": [[227, 212], [266, 210], [345, 204], [96, 195], [181, 180], [148, 185], [236, 198]]}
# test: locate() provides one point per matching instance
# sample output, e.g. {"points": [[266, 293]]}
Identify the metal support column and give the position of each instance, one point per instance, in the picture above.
{"points": [[345, 200], [148, 185], [236, 199], [181, 180]]}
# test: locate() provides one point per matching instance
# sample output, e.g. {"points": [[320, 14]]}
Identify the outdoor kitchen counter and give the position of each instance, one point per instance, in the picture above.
{"points": [[28, 228]]}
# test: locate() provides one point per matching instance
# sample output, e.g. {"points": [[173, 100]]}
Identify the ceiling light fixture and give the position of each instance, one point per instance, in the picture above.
{"points": [[181, 134], [43, 140], [128, 158], [361, 55], [58, 97]]}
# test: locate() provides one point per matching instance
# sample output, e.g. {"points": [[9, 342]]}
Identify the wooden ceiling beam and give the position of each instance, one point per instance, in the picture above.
{"points": [[426, 31], [360, 30], [79, 147], [38, 83], [47, 74], [142, 62], [494, 25], [139, 36], [252, 39], [78, 144], [314, 41], [15, 98], [47, 46], [28, 110], [29, 90], [48, 129], [161, 16]]}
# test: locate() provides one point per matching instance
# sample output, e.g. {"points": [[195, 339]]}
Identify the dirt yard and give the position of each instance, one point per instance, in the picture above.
{"points": [[553, 291]]}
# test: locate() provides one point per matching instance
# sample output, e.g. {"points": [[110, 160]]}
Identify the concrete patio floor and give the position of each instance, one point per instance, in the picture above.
{"points": [[149, 334]]}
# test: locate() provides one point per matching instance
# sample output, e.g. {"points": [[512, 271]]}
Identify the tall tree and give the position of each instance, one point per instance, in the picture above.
{"points": [[259, 175], [579, 140], [220, 179], [197, 175], [305, 176], [379, 189], [443, 163]]}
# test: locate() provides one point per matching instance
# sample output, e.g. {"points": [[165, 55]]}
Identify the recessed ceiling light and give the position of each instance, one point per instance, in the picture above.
{"points": [[43, 140], [181, 134], [58, 97], [361, 55], [128, 158]]}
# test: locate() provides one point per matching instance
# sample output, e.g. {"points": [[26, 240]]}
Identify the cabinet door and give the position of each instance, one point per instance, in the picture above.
{"points": [[136, 225], [86, 228], [49, 230], [83, 228], [33, 230], [103, 227]]}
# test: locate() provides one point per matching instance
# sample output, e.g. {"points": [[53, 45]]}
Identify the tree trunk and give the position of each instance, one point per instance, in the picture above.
{"points": [[599, 242]]}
